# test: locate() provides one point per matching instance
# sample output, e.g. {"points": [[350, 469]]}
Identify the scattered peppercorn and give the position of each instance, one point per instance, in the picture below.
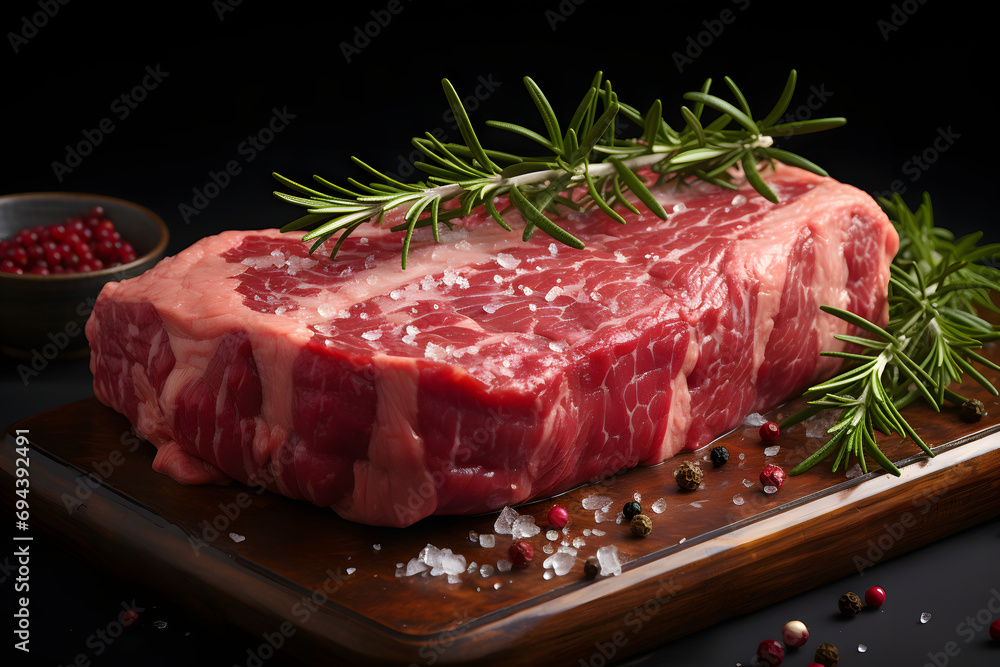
{"points": [[795, 633], [827, 655], [875, 596], [720, 456], [640, 525], [130, 618], [520, 554], [972, 410], [772, 475], [688, 475], [558, 516], [630, 509], [592, 567], [850, 604], [769, 431], [770, 652]]}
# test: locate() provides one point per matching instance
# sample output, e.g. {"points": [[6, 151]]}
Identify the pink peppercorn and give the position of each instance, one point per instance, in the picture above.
{"points": [[521, 554], [875, 596], [769, 431], [770, 652], [772, 475], [558, 516]]}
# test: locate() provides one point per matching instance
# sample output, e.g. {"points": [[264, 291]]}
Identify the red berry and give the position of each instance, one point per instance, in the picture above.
{"points": [[97, 212], [995, 630], [772, 475], [770, 652], [769, 431], [521, 554], [558, 516], [875, 596], [130, 618]]}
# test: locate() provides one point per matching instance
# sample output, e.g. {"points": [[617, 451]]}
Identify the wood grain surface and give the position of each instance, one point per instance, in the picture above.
{"points": [[320, 586]]}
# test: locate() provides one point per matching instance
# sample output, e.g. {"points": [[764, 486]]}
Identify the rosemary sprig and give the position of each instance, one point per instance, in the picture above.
{"points": [[584, 165], [936, 289]]}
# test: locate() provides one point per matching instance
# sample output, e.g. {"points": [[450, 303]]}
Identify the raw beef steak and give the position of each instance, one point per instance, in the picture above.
{"points": [[491, 371]]}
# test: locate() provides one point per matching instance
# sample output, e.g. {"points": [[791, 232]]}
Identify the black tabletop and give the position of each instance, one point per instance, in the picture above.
{"points": [[189, 110]]}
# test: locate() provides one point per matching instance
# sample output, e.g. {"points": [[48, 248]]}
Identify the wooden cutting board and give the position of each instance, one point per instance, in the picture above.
{"points": [[301, 578]]}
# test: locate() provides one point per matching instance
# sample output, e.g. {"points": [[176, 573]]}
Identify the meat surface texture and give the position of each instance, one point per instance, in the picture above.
{"points": [[491, 371]]}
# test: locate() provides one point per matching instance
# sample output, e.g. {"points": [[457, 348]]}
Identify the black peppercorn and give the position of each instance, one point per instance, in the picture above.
{"points": [[630, 509], [641, 525], [850, 604], [688, 475], [827, 655], [972, 410], [720, 456], [592, 567]]}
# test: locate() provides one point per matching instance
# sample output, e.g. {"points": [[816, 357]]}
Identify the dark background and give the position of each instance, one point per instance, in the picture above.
{"points": [[912, 78]]}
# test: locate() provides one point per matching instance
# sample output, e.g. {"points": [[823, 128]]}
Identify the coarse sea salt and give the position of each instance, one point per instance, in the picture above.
{"points": [[236, 537], [374, 334], [610, 560], [754, 419], [603, 514], [507, 261], [435, 351], [772, 450], [505, 521], [659, 506], [560, 562], [488, 540], [737, 499], [553, 535], [594, 501], [524, 526]]}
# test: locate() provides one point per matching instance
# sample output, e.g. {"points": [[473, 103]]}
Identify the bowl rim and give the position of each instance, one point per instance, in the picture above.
{"points": [[159, 248]]}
